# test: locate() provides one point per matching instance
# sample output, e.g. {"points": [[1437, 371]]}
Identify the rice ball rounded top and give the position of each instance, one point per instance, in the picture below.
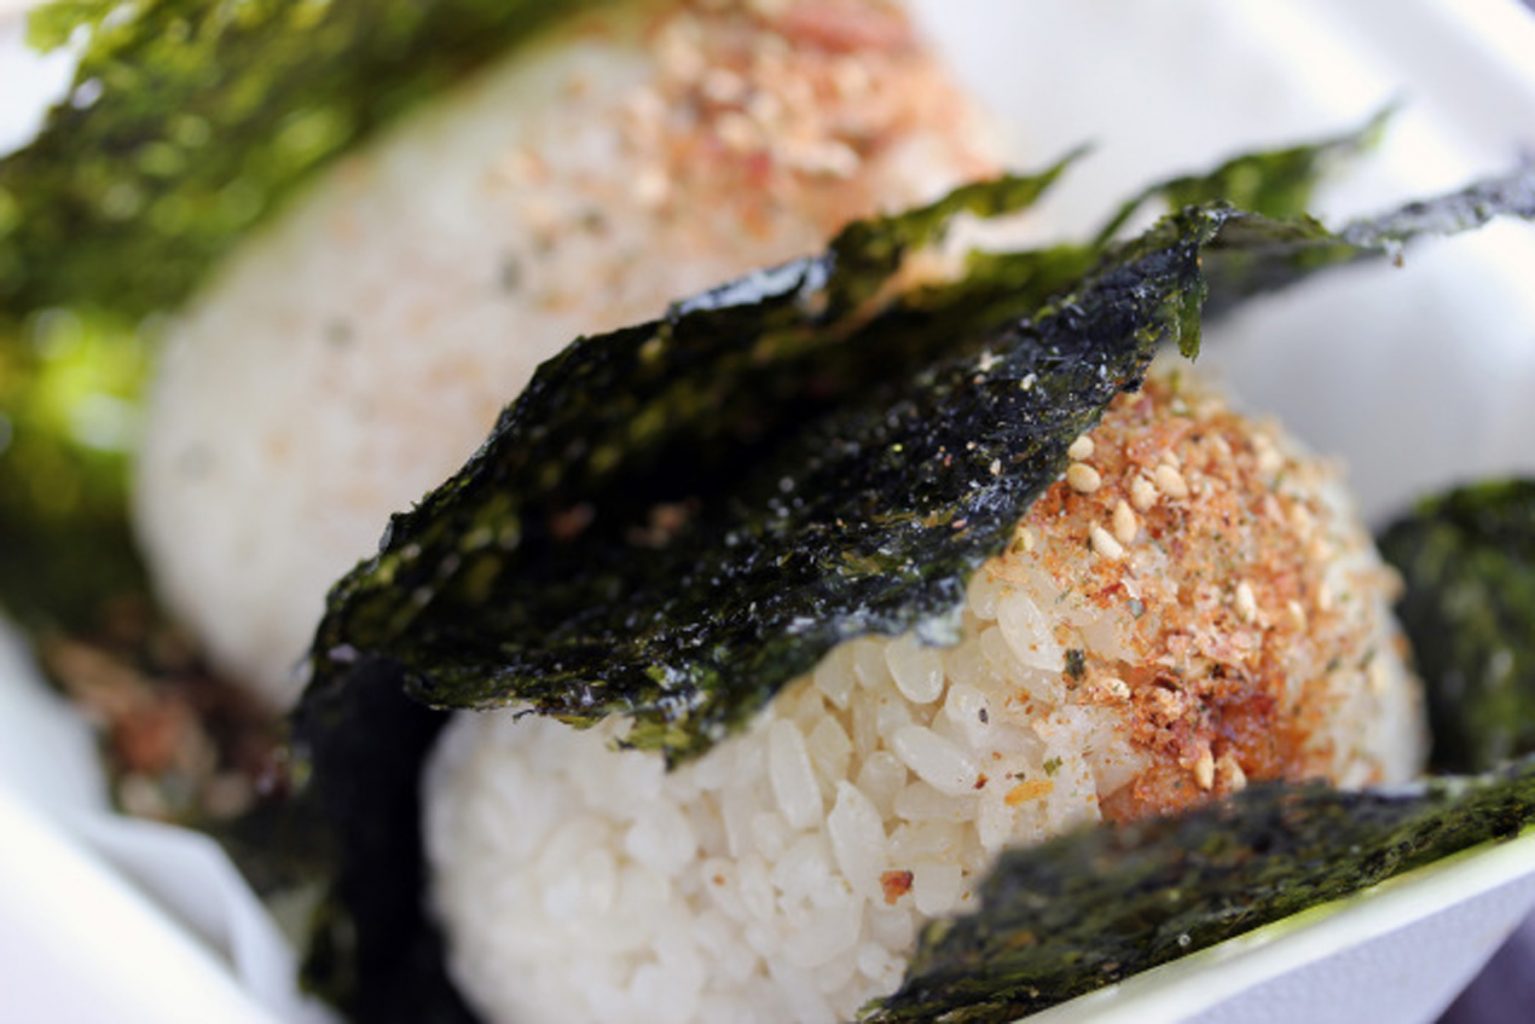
{"points": [[1194, 605], [354, 353]]}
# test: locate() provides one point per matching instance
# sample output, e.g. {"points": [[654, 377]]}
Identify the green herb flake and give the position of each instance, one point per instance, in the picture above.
{"points": [[1275, 183], [1468, 561]]}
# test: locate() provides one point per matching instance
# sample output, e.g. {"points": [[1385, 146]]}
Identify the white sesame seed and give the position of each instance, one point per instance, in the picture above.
{"points": [[1301, 520], [723, 85], [651, 187], [852, 77], [1323, 597], [737, 131], [764, 108], [1116, 687], [1170, 482], [1204, 769], [1380, 680], [1142, 494], [645, 107], [996, 467], [1231, 771], [1298, 613], [1126, 526], [1083, 477], [835, 159], [1026, 535], [1081, 448], [1246, 602], [1269, 459], [1105, 544]]}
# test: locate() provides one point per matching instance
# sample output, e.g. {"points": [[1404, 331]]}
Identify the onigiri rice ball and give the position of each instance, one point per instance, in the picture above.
{"points": [[343, 361], [1193, 607]]}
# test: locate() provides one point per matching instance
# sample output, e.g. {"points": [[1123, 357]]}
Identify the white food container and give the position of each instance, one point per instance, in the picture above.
{"points": [[1417, 378]]}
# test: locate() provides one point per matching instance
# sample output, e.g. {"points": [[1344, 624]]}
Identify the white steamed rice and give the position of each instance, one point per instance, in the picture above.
{"points": [[785, 875], [356, 351]]}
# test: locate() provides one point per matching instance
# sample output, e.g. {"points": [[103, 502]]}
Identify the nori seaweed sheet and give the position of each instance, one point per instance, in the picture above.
{"points": [[189, 121], [546, 525], [1468, 561], [1090, 908], [675, 519]]}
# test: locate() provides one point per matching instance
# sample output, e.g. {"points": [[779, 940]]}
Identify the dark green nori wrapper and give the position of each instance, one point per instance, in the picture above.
{"points": [[1062, 919], [1468, 561], [190, 121], [621, 543], [675, 519]]}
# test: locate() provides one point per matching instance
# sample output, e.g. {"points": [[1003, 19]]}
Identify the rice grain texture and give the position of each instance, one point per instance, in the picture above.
{"points": [[354, 353], [783, 877]]}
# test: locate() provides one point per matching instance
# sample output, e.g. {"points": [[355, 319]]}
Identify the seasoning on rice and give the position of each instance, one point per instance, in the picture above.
{"points": [[343, 361], [784, 875]]}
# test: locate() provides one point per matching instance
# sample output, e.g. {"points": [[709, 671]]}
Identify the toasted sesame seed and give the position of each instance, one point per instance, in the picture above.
{"points": [[1142, 494], [1269, 459], [1380, 680], [1323, 597], [651, 187], [1126, 526], [723, 85], [1301, 520], [1297, 613], [1169, 704], [1204, 769], [1246, 602], [764, 108], [1083, 477], [1105, 544], [1081, 448], [1170, 482], [1232, 773], [1115, 687], [737, 131], [852, 78]]}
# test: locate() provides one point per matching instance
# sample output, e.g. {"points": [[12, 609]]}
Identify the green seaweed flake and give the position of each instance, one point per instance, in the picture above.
{"points": [[1274, 182], [190, 121], [1087, 909], [1468, 560]]}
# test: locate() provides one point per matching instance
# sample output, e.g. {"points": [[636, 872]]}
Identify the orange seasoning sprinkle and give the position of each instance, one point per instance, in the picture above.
{"points": [[1207, 532], [895, 884], [1031, 789]]}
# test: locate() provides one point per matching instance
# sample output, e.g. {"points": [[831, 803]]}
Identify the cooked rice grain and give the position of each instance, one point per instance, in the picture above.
{"points": [[352, 354], [785, 875]]}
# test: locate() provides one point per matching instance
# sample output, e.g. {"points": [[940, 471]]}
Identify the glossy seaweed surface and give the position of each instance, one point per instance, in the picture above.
{"points": [[677, 518]]}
